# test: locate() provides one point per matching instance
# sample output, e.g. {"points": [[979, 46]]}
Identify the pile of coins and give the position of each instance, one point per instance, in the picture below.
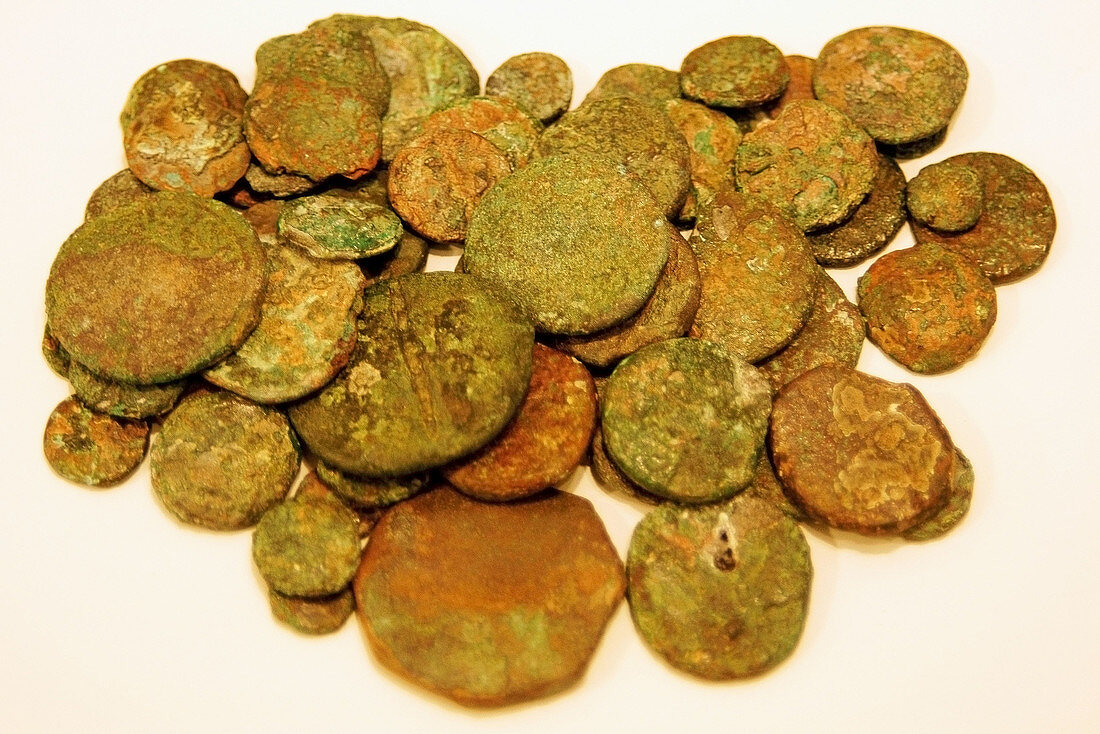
{"points": [[251, 287]]}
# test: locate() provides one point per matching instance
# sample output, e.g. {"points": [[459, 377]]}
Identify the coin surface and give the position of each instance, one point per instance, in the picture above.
{"points": [[91, 448], [538, 82], [735, 71]]}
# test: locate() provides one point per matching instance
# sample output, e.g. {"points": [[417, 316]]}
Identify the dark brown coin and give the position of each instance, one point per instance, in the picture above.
{"points": [[540, 83], [832, 335], [306, 333], [488, 604], [333, 227], [946, 197], [221, 461], [927, 308], [500, 121], [954, 509], [555, 236], [871, 227], [859, 453], [92, 448], [898, 84], [1014, 233], [441, 366], [758, 276], [282, 185], [121, 189], [410, 256], [643, 82], [635, 134], [54, 354], [667, 314], [312, 615], [812, 162], [720, 591], [546, 439], [713, 139], [437, 179], [801, 85], [685, 420], [307, 547], [120, 399], [735, 71], [157, 289], [365, 494]]}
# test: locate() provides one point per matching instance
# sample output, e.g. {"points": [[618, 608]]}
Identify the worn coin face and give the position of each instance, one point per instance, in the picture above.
{"points": [[221, 461], [1014, 233], [488, 604], [120, 189], [871, 227], [120, 399], [735, 71], [833, 334], [643, 82], [719, 591], [441, 365], [182, 128], [927, 307], [306, 333], [539, 83], [362, 493], [946, 197], [812, 162], [339, 227], [307, 547], [632, 133], [898, 84], [312, 615], [713, 139], [859, 453], [91, 448], [954, 509], [497, 119], [758, 276], [667, 314], [437, 180], [801, 85], [157, 289], [546, 439], [555, 236], [686, 420]]}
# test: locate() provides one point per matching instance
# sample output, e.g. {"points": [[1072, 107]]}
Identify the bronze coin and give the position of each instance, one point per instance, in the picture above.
{"points": [[540, 83], [735, 71], [91, 448]]}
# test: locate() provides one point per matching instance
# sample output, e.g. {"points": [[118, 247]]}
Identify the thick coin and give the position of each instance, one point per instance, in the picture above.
{"points": [[307, 547], [339, 227], [120, 399], [365, 494], [946, 197], [954, 509], [312, 615]]}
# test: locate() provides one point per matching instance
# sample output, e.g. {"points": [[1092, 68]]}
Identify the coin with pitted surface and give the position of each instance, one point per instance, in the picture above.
{"points": [[801, 85], [365, 494], [497, 119], [540, 83], [644, 82], [735, 71], [713, 138], [339, 227], [121, 399], [90, 448], [946, 197], [318, 615], [118, 190]]}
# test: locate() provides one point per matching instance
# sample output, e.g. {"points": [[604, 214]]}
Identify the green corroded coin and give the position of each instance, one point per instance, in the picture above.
{"points": [[758, 276], [667, 314], [221, 461], [91, 448], [871, 227], [306, 333], [54, 354], [954, 509], [721, 591], [362, 493], [121, 189], [713, 139], [409, 256], [632, 133], [812, 162], [643, 82], [339, 228], [1013, 236], [686, 420], [441, 365], [488, 603], [540, 83], [736, 71], [307, 547], [834, 334], [157, 289], [577, 243], [899, 85], [182, 128], [611, 477], [123, 400], [946, 197], [320, 615], [427, 73], [497, 119]]}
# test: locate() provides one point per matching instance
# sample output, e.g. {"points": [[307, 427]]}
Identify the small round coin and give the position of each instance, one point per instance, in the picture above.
{"points": [[546, 439], [927, 307], [91, 448], [735, 71], [685, 420], [946, 197], [643, 82], [859, 453], [540, 83], [221, 461], [488, 604], [339, 227], [954, 509], [719, 591], [312, 615], [497, 119], [306, 547], [812, 162]]}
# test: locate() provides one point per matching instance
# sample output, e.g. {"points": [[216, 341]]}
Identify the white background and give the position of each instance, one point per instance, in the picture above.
{"points": [[114, 618]]}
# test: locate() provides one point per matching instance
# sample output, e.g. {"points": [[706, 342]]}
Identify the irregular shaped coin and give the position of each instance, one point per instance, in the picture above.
{"points": [[307, 547], [954, 509], [120, 399], [713, 139], [497, 119], [643, 82]]}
